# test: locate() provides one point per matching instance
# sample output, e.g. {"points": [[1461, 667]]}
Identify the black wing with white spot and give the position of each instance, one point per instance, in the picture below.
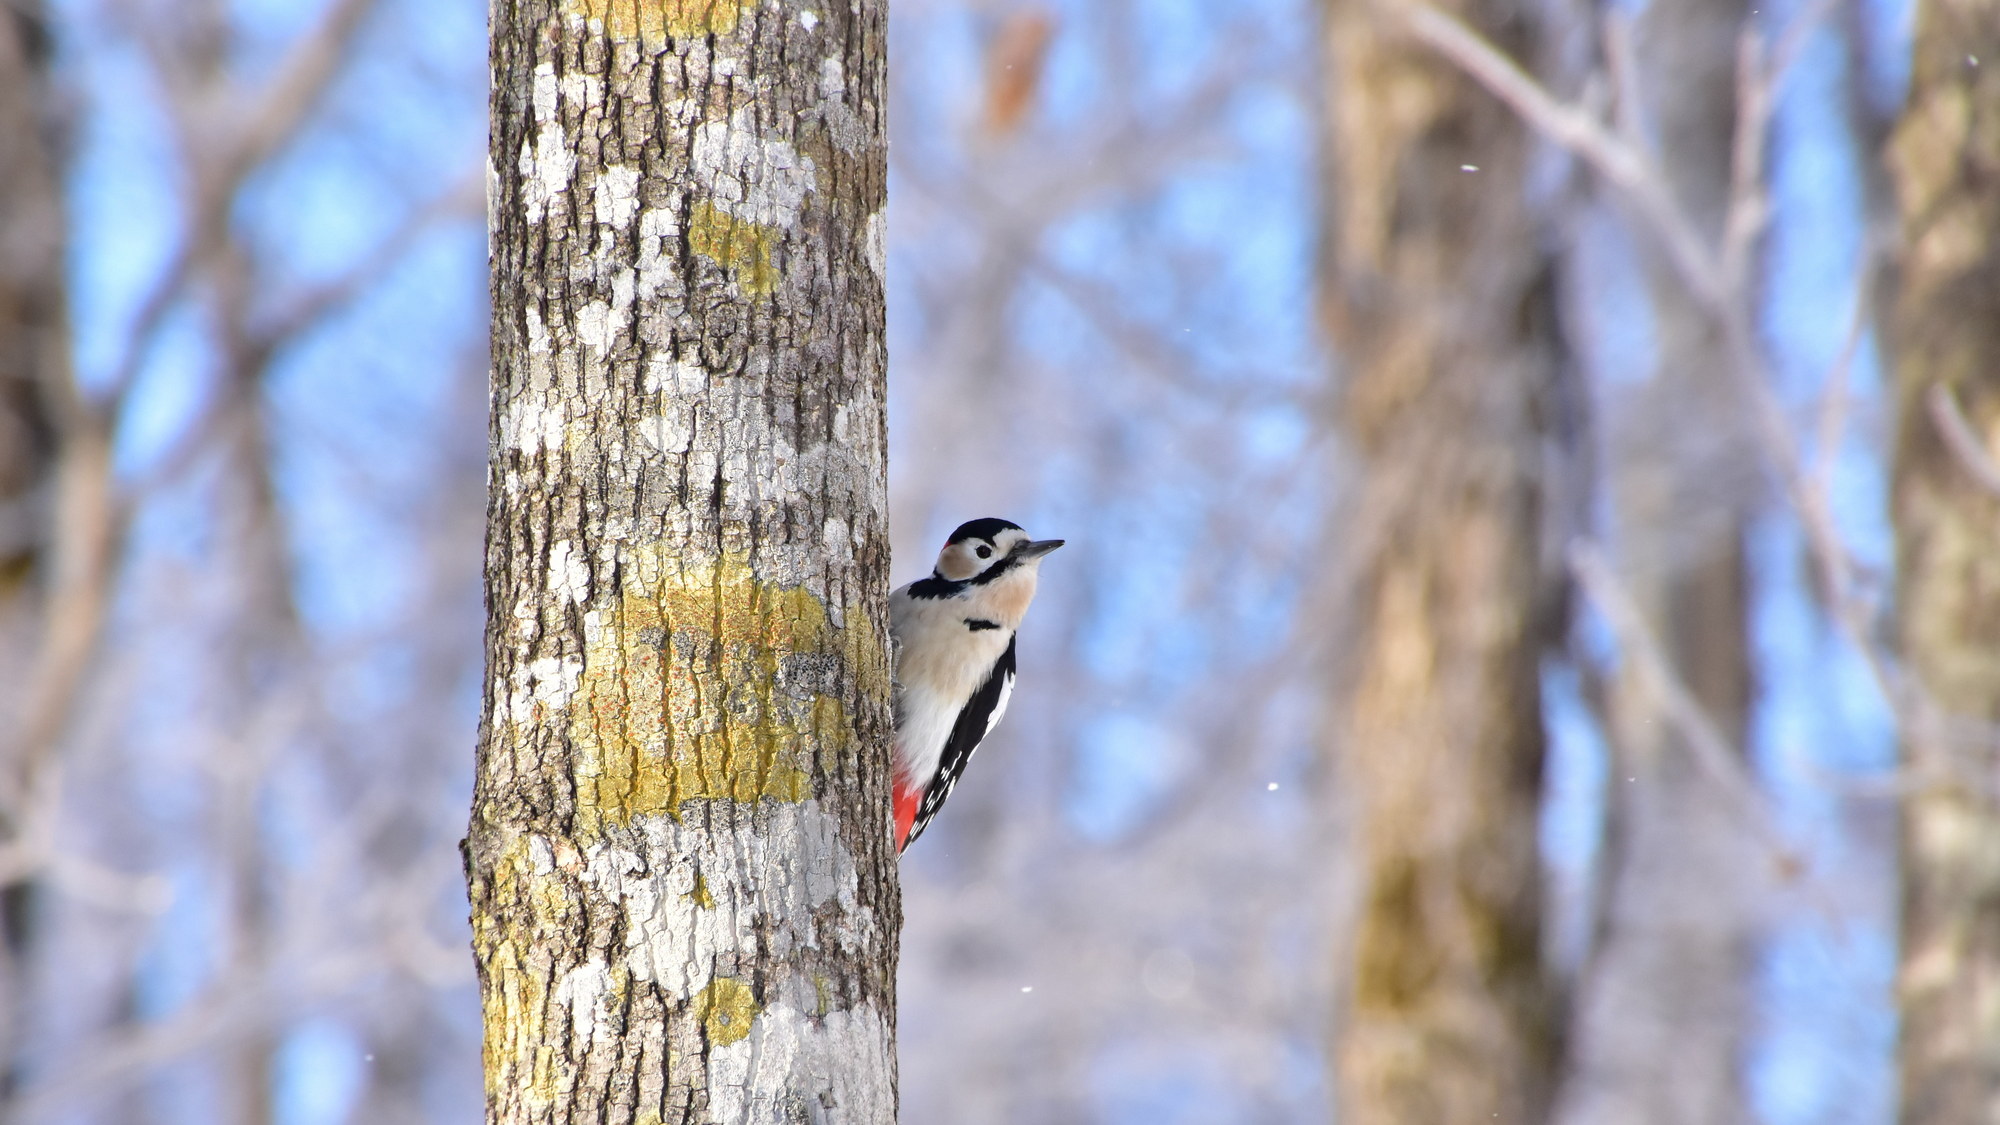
{"points": [[981, 712]]}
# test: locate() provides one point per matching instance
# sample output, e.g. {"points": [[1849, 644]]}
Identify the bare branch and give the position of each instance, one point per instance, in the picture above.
{"points": [[1723, 763], [1748, 210], [1965, 445], [1712, 750], [241, 1003], [276, 113], [85, 549], [1621, 160], [1622, 60], [302, 79], [1835, 397], [463, 199]]}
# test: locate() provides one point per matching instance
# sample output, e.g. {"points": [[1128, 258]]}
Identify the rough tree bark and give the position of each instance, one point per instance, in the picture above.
{"points": [[1438, 294], [1944, 157], [684, 895], [1664, 1006]]}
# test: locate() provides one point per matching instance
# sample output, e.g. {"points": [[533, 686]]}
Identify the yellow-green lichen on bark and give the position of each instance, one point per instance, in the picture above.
{"points": [[735, 244], [516, 1005], [726, 1009], [517, 998], [705, 682], [653, 21]]}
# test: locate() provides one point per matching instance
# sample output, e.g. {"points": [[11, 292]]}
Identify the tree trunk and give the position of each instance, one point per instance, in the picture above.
{"points": [[33, 335], [1945, 160], [683, 887], [1438, 293], [1664, 1005], [34, 382]]}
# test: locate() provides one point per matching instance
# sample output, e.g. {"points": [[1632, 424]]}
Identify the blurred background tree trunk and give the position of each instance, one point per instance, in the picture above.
{"points": [[1664, 1009], [1438, 292], [1944, 157], [683, 884], [34, 346], [34, 385]]}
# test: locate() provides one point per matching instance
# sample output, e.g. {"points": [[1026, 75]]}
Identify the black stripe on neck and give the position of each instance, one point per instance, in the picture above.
{"points": [[936, 586]]}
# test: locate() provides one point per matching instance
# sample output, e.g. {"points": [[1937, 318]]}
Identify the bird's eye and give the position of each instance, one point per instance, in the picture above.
{"points": [[984, 552]]}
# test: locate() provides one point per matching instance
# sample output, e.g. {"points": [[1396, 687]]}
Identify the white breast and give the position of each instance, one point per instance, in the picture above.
{"points": [[940, 662]]}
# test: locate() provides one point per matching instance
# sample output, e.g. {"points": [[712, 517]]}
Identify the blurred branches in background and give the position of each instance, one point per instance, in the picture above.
{"points": [[1602, 465], [1528, 467], [242, 500]]}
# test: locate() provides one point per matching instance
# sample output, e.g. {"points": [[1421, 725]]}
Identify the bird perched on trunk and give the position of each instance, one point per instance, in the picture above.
{"points": [[955, 659]]}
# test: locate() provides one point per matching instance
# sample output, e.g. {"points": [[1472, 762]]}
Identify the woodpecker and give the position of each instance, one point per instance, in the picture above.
{"points": [[955, 659]]}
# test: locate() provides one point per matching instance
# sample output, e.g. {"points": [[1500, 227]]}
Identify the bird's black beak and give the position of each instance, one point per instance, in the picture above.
{"points": [[1036, 548]]}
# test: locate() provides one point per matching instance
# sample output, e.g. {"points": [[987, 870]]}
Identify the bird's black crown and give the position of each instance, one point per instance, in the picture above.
{"points": [[981, 529]]}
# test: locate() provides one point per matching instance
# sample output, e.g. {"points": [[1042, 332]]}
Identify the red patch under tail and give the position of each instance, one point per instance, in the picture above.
{"points": [[907, 800]]}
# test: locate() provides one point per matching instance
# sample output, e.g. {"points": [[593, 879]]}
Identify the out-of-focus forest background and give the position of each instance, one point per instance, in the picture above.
{"points": [[1505, 559]]}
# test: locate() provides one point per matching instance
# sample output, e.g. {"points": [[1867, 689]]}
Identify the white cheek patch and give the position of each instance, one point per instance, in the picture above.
{"points": [[957, 562]]}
